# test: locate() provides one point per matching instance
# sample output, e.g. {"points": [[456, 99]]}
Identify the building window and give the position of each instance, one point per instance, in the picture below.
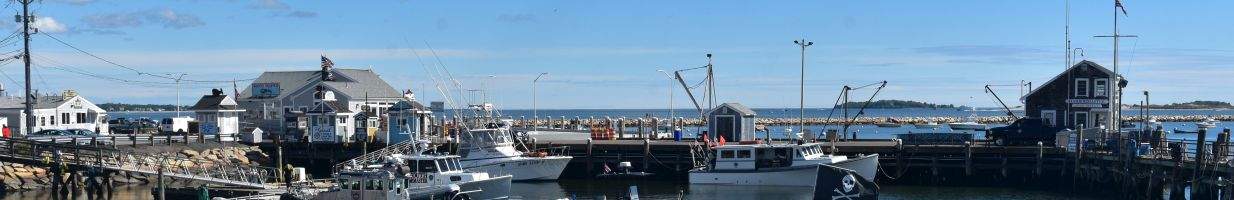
{"points": [[42, 121], [1081, 120], [52, 120], [313, 121], [1099, 87], [1048, 117], [64, 118], [1081, 87], [81, 117]]}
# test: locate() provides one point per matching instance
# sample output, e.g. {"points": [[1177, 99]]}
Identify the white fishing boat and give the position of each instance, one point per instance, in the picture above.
{"points": [[969, 123], [1207, 123], [417, 176], [777, 165], [492, 150]]}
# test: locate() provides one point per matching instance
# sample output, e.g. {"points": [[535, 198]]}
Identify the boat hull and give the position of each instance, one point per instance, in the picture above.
{"points": [[492, 188], [803, 176], [967, 126], [522, 168], [866, 166]]}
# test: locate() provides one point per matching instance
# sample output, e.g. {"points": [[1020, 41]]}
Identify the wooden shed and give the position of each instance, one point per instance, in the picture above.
{"points": [[733, 121], [1078, 96]]}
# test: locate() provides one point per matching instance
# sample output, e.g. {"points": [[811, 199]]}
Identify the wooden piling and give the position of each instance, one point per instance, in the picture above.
{"points": [[1197, 181], [968, 158], [646, 154], [1040, 155], [590, 162]]}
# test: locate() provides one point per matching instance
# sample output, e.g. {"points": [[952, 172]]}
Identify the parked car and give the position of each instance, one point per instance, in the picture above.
{"points": [[1024, 131]]}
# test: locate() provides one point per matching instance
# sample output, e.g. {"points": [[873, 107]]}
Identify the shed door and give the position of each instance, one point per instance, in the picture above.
{"points": [[724, 127]]}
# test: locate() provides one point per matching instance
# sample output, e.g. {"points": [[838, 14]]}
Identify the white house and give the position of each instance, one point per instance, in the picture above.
{"points": [[217, 114], [330, 120], [67, 111]]}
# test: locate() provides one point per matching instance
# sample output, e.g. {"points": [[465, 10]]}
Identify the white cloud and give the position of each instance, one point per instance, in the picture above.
{"points": [[48, 24]]}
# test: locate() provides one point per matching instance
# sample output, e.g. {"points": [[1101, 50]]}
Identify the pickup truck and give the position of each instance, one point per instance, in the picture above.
{"points": [[1024, 131]]}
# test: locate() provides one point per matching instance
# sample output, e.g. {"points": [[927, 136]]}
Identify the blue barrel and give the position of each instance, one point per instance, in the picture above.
{"points": [[677, 135]]}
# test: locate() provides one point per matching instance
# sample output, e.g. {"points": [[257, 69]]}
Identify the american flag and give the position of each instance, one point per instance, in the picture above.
{"points": [[1119, 5], [325, 62]]}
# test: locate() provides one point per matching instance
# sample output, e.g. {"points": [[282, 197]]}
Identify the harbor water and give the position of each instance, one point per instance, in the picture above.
{"points": [[672, 189]]}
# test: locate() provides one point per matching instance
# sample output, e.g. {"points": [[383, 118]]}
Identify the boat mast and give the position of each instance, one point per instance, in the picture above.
{"points": [[1115, 97]]}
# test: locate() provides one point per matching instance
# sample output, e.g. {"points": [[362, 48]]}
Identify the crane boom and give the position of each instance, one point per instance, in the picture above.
{"points": [[1000, 101], [677, 75]]}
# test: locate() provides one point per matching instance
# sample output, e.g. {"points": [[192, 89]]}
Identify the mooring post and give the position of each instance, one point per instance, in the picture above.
{"points": [[168, 139], [151, 138], [1040, 154], [1197, 181], [646, 154], [934, 167], [968, 158], [1079, 154], [589, 161], [640, 124]]}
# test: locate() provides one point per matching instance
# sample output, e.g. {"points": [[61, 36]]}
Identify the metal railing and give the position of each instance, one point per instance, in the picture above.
{"points": [[175, 165]]}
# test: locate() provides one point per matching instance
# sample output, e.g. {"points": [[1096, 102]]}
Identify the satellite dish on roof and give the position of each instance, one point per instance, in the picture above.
{"points": [[328, 96]]}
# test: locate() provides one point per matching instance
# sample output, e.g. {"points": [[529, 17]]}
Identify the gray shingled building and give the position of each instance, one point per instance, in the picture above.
{"points": [[277, 100]]}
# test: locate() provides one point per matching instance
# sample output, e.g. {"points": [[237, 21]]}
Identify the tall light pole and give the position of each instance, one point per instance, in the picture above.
{"points": [[671, 114], [534, 111], [178, 78], [801, 118]]}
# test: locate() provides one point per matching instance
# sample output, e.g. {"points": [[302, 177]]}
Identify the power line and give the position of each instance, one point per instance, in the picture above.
{"points": [[139, 72]]}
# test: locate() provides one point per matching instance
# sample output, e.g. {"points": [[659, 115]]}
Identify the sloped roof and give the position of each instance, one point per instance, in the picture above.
{"points": [[351, 82], [408, 105], [737, 107], [1073, 67], [42, 102], [214, 102], [329, 106]]}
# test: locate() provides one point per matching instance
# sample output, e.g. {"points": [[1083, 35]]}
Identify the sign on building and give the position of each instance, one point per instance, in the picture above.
{"points": [[265, 90]]}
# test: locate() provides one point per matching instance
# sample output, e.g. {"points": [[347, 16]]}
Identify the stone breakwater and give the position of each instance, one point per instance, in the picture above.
{"points": [[632, 122], [21, 177]]}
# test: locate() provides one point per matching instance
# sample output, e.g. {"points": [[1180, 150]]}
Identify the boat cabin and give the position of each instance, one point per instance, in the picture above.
{"points": [[760, 156], [1079, 96], [371, 184]]}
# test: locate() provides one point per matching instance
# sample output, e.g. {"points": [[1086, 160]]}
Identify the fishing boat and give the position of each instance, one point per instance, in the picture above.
{"points": [[969, 123], [928, 125], [492, 150], [777, 165], [623, 172], [1207, 123], [417, 176]]}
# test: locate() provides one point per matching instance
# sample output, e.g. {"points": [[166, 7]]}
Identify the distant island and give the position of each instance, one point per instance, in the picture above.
{"points": [[136, 107], [1192, 105], [898, 104]]}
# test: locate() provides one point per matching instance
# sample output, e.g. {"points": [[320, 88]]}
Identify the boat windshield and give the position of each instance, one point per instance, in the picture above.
{"points": [[773, 157]]}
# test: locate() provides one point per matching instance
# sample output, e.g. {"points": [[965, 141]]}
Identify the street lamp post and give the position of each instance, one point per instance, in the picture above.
{"points": [[801, 118], [534, 111], [672, 126]]}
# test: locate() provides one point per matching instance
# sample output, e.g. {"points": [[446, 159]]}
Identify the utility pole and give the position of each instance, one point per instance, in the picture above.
{"points": [[25, 32], [801, 118], [1115, 97], [178, 78]]}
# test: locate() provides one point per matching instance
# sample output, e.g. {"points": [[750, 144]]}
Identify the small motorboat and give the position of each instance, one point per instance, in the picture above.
{"points": [[928, 125], [1177, 131], [889, 123], [622, 172], [1207, 123]]}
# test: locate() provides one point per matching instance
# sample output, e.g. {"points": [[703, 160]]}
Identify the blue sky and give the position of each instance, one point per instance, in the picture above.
{"points": [[604, 54]]}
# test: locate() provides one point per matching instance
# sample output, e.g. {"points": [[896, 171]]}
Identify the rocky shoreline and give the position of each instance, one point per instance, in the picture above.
{"points": [[20, 177]]}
